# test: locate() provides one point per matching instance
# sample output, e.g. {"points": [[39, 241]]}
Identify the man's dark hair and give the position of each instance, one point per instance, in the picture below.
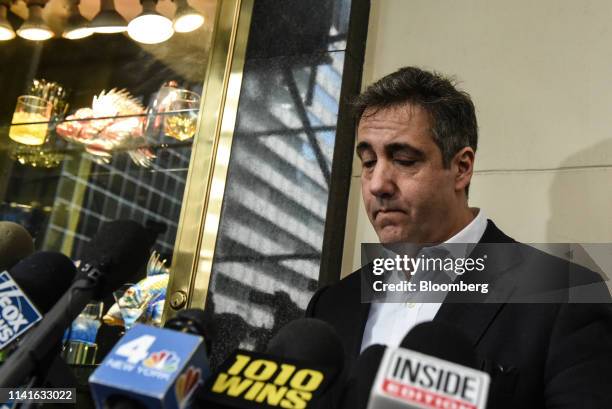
{"points": [[451, 111]]}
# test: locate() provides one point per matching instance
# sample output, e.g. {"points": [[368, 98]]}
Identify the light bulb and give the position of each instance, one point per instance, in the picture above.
{"points": [[35, 34], [77, 26], [77, 33], [150, 27], [186, 19], [108, 20], [35, 28], [6, 30], [188, 22]]}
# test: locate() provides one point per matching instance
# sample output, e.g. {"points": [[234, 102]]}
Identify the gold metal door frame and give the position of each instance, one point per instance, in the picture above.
{"points": [[206, 178]]}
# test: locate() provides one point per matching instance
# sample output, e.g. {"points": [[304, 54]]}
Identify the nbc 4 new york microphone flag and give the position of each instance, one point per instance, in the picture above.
{"points": [[159, 367]]}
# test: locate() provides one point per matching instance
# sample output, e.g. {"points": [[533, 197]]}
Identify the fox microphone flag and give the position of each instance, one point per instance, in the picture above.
{"points": [[17, 313], [30, 288]]}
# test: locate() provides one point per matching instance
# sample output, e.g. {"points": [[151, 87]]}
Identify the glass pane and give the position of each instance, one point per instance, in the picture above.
{"points": [[268, 250], [99, 128]]}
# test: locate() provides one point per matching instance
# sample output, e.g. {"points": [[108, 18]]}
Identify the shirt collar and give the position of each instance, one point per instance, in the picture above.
{"points": [[464, 241]]}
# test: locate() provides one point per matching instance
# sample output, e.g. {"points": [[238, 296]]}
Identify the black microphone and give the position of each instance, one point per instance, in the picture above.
{"points": [[314, 341], [44, 277], [309, 338], [359, 383], [443, 341], [15, 244], [111, 258], [433, 367], [38, 281], [114, 255], [192, 321], [300, 368]]}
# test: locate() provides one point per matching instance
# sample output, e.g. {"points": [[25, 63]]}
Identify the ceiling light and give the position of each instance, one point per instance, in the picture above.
{"points": [[108, 20], [6, 30], [35, 28], [77, 26], [150, 27], [186, 19]]}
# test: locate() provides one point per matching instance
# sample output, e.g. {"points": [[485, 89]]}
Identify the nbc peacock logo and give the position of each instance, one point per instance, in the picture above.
{"points": [[166, 361], [186, 383]]}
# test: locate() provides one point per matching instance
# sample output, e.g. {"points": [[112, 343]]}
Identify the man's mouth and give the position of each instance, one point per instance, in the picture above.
{"points": [[386, 211]]}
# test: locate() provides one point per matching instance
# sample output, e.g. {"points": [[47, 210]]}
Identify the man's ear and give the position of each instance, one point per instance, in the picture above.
{"points": [[463, 167]]}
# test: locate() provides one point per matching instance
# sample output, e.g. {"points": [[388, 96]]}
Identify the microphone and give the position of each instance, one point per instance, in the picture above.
{"points": [[192, 321], [433, 368], [112, 257], [15, 244], [29, 289], [359, 383], [302, 363], [154, 367], [443, 341]]}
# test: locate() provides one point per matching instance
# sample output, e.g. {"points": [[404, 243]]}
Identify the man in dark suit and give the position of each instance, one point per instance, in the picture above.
{"points": [[416, 140]]}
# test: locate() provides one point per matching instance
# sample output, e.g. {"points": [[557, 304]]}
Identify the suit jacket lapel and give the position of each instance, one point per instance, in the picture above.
{"points": [[474, 318], [364, 312]]}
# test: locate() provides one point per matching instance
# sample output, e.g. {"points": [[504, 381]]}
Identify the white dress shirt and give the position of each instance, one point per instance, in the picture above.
{"points": [[388, 323]]}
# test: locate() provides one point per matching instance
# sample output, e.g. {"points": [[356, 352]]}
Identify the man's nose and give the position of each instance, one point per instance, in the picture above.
{"points": [[382, 180]]}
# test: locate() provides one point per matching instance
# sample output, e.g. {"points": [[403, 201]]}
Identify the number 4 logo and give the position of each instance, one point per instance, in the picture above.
{"points": [[137, 349]]}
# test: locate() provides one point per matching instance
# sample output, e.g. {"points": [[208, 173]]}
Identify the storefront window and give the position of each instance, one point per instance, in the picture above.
{"points": [[101, 128]]}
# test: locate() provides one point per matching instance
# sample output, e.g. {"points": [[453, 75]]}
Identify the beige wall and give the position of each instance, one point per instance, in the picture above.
{"points": [[540, 75]]}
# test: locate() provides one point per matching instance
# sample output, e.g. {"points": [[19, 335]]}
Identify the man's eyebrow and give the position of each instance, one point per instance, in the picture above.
{"points": [[392, 148], [361, 147]]}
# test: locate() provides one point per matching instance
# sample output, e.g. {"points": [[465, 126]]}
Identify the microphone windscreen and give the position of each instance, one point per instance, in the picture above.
{"points": [[44, 277], [15, 244], [119, 249], [191, 320], [442, 341], [359, 383], [308, 339]]}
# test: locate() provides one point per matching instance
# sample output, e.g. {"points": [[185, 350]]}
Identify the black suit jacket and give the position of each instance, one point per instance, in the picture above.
{"points": [[545, 355]]}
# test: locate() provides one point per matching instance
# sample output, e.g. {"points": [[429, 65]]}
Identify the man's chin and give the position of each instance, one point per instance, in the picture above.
{"points": [[389, 236]]}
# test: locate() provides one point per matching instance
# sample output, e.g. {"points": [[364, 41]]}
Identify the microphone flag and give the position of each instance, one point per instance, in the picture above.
{"points": [[410, 379], [161, 368], [17, 313], [248, 379]]}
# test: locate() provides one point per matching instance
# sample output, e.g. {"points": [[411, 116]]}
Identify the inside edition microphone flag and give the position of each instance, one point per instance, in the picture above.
{"points": [[409, 379]]}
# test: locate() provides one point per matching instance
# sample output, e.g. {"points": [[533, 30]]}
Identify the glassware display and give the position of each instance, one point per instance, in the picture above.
{"points": [[80, 345], [53, 92], [74, 152], [159, 105], [39, 156], [30, 120], [182, 119]]}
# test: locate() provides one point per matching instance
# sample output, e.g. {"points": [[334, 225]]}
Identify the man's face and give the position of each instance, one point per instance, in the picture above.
{"points": [[408, 194]]}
